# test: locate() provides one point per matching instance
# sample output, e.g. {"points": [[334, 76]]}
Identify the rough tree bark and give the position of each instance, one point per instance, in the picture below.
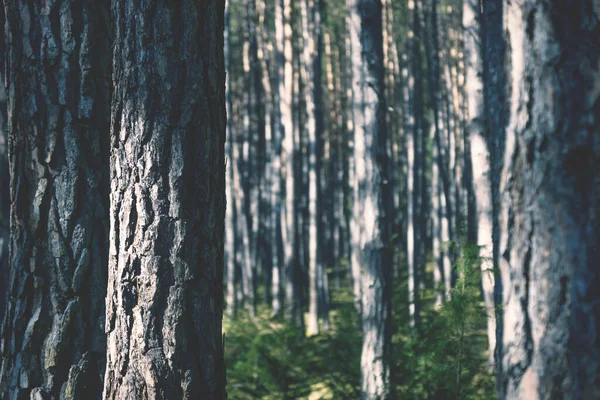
{"points": [[550, 227], [165, 297], [4, 182], [58, 71], [372, 201]]}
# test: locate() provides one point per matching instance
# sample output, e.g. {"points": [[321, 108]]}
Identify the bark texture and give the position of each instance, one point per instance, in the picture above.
{"points": [[165, 297], [372, 203], [58, 70], [4, 182], [551, 197]]}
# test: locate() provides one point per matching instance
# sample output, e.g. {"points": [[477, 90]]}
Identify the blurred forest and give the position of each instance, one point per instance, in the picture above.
{"points": [[333, 105], [310, 199], [366, 146]]}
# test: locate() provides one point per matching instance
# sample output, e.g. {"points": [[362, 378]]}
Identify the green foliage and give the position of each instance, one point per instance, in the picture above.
{"points": [[447, 358], [269, 359]]}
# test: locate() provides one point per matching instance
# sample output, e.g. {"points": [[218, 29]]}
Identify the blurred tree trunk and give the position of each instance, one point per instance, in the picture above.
{"points": [[480, 156], [335, 182], [311, 78], [355, 126], [58, 72], [285, 80], [495, 89], [436, 232], [230, 252], [550, 227], [267, 240], [416, 165], [165, 298], [373, 200]]}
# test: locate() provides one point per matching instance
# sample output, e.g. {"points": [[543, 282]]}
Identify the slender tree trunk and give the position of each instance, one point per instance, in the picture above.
{"points": [[309, 40], [372, 202], [353, 24], [53, 342], [496, 117], [285, 82], [480, 157], [436, 226], [417, 164], [550, 200], [165, 298], [229, 213], [335, 181], [279, 266]]}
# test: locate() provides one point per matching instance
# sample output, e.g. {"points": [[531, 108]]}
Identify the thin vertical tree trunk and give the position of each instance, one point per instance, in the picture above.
{"points": [[436, 226], [481, 159], [335, 182], [53, 343], [550, 227], [496, 118], [165, 298], [230, 260], [285, 81], [372, 201], [311, 81], [417, 170], [353, 23], [268, 185]]}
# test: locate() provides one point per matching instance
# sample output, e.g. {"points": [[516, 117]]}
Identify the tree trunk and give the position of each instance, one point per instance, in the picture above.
{"points": [[312, 80], [283, 14], [53, 344], [550, 200], [372, 201], [496, 118], [418, 222], [229, 213], [480, 157], [165, 298], [4, 183]]}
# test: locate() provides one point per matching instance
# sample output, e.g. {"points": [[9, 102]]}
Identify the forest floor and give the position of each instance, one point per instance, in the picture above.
{"points": [[268, 359]]}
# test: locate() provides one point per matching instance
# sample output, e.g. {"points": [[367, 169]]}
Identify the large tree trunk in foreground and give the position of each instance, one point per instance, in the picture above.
{"points": [[165, 298], [58, 59], [4, 183], [550, 227], [372, 203]]}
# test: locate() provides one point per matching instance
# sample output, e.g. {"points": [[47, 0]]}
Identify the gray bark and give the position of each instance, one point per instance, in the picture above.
{"points": [[58, 72], [550, 200], [372, 201], [165, 298], [4, 182]]}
